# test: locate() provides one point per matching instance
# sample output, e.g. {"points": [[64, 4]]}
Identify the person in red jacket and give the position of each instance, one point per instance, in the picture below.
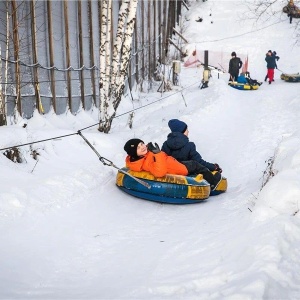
{"points": [[149, 158], [271, 58]]}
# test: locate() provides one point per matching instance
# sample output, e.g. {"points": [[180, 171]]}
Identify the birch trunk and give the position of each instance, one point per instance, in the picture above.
{"points": [[102, 54], [108, 51], [122, 51], [126, 51], [118, 42]]}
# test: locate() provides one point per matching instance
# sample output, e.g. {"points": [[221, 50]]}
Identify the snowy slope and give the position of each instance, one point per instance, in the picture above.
{"points": [[67, 232]]}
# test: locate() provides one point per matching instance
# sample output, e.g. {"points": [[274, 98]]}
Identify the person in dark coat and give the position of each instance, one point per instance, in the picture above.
{"points": [[235, 64], [292, 9], [179, 146], [276, 59], [271, 65]]}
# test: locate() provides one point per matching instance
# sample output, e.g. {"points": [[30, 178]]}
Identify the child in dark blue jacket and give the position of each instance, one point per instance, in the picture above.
{"points": [[179, 146]]}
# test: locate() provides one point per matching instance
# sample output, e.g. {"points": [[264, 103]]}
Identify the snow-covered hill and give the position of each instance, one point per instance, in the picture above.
{"points": [[67, 232]]}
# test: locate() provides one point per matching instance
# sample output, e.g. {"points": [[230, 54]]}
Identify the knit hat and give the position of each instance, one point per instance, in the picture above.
{"points": [[177, 125], [131, 147], [270, 51], [233, 54]]}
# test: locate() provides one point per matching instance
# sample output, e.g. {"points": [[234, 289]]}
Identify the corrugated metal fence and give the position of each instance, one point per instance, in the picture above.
{"points": [[50, 51]]}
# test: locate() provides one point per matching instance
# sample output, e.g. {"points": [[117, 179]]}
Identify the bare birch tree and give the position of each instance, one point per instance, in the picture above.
{"points": [[104, 48], [123, 15], [120, 60], [125, 56]]}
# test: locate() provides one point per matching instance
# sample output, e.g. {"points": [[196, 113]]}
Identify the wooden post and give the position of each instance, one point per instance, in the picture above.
{"points": [[159, 31], [180, 35], [68, 58], [16, 55], [206, 59], [185, 5], [130, 61], [149, 41], [170, 19], [175, 12], [100, 37], [92, 59], [39, 105], [155, 32], [51, 55], [143, 39], [164, 36], [6, 53], [179, 6], [206, 72], [176, 46], [81, 61]]}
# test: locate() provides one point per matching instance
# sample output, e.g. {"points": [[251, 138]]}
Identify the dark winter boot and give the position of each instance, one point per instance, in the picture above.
{"points": [[195, 168], [270, 82], [217, 179], [266, 77]]}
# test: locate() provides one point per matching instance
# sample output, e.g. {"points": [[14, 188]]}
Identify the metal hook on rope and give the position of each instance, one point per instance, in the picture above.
{"points": [[108, 162]]}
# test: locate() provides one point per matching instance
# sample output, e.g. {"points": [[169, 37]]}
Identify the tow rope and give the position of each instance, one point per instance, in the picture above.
{"points": [[109, 163]]}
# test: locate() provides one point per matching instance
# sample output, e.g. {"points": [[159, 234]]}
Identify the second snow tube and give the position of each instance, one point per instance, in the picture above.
{"points": [[243, 86]]}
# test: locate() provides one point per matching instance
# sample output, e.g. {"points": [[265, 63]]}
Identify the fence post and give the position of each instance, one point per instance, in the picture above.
{"points": [[2, 104], [206, 72], [51, 54], [39, 104], [80, 38], [16, 42], [68, 55], [92, 58]]}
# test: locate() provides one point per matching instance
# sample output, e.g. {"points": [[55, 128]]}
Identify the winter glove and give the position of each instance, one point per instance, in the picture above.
{"points": [[218, 168], [153, 148]]}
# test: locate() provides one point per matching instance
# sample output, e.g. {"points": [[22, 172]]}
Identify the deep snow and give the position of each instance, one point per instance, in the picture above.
{"points": [[67, 232]]}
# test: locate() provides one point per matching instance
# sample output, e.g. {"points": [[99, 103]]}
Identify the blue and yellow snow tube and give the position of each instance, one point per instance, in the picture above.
{"points": [[243, 86], [290, 77], [174, 189]]}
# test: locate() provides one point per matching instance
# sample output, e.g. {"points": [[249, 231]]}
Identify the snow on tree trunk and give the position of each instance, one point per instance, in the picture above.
{"points": [[104, 64], [122, 50], [126, 51], [108, 49], [123, 15]]}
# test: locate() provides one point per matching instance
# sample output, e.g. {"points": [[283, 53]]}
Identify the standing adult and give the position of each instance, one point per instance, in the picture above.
{"points": [[271, 65], [235, 64], [291, 10]]}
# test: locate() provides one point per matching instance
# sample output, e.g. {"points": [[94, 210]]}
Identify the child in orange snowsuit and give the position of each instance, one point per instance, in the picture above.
{"points": [[149, 158], [156, 162]]}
